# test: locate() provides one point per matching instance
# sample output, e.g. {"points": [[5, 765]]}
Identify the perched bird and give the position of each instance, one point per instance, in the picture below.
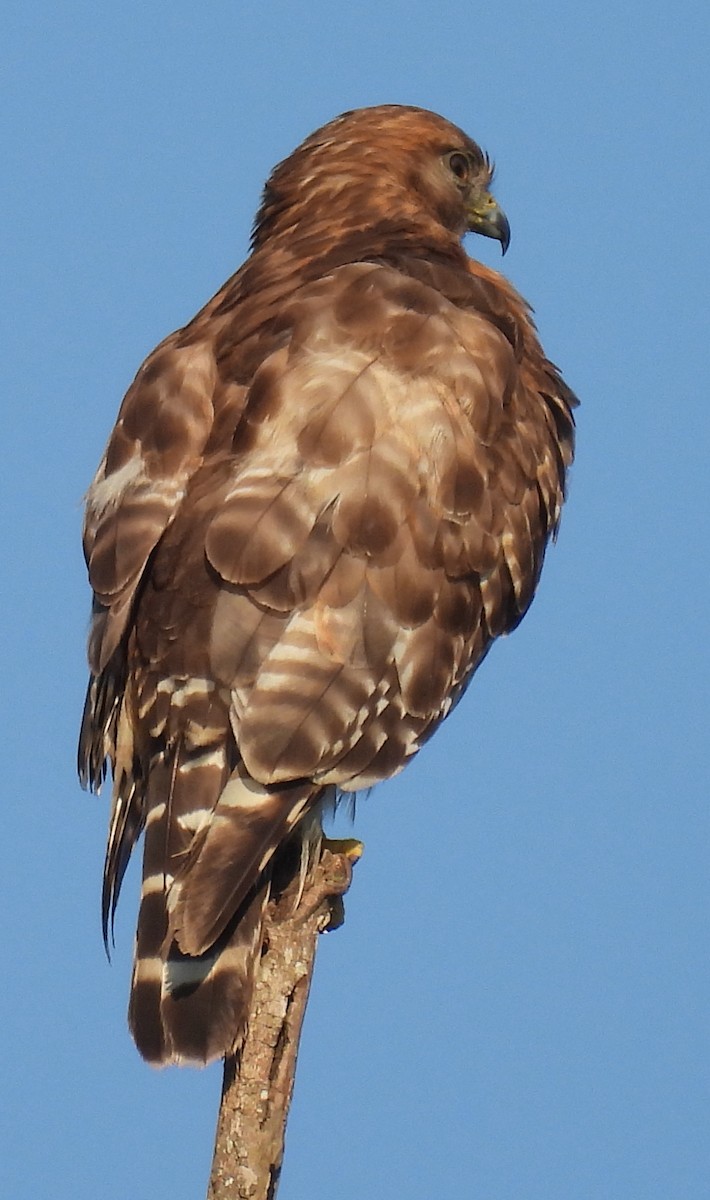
{"points": [[323, 499]]}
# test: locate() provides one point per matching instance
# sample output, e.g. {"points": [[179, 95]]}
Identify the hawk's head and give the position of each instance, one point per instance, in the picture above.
{"points": [[391, 164]]}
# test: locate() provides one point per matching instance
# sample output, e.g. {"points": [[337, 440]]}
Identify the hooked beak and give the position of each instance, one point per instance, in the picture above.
{"points": [[487, 217]]}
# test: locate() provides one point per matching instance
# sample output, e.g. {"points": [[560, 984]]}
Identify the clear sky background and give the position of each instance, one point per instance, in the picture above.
{"points": [[517, 1005]]}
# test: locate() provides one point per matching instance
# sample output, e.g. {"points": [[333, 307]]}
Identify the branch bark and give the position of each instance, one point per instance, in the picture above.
{"points": [[258, 1082]]}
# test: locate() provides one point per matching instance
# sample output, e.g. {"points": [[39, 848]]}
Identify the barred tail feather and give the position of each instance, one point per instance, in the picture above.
{"points": [[193, 1009], [210, 837], [228, 854]]}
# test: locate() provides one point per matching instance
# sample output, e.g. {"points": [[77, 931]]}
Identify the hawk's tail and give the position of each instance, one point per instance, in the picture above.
{"points": [[190, 1009], [211, 834]]}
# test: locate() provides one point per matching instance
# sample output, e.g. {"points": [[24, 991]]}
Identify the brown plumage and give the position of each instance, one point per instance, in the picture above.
{"points": [[323, 499]]}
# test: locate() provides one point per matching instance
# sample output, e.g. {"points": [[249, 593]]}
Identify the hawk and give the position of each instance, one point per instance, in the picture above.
{"points": [[323, 499]]}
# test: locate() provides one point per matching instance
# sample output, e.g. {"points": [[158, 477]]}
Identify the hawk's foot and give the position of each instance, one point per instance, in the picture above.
{"points": [[350, 848]]}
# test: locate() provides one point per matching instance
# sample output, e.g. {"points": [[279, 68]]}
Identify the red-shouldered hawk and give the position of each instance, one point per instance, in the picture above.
{"points": [[322, 500]]}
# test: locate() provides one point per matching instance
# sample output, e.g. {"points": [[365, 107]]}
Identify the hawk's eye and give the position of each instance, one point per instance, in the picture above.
{"points": [[459, 166]]}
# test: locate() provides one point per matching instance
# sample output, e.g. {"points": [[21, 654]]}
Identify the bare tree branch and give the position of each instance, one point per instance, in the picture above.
{"points": [[258, 1083]]}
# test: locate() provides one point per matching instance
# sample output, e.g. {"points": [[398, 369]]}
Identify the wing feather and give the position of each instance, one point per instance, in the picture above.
{"points": [[162, 430]]}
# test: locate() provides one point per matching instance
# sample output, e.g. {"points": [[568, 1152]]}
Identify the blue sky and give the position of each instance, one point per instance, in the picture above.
{"points": [[517, 1005]]}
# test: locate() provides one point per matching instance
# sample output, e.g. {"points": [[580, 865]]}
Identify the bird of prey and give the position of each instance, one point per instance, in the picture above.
{"points": [[322, 500]]}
